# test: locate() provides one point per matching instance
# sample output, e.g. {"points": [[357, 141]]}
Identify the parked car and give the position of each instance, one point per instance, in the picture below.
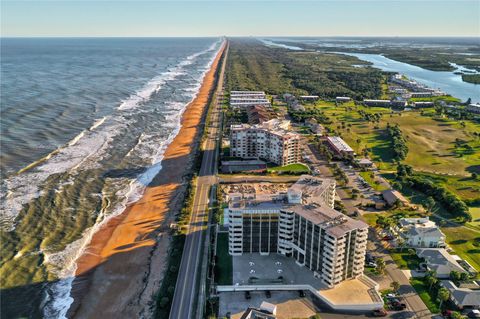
{"points": [[398, 306], [391, 295], [474, 313], [372, 264], [379, 313], [388, 237]]}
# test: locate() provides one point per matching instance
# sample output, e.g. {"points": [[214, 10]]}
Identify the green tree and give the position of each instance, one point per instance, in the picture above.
{"points": [[429, 203], [457, 315], [443, 295], [380, 266], [431, 280], [454, 276], [395, 286]]}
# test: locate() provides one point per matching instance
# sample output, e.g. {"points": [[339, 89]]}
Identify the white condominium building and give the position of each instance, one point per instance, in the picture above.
{"points": [[300, 224], [243, 99], [269, 141]]}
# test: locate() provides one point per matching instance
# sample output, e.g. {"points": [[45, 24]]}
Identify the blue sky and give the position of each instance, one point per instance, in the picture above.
{"points": [[241, 18]]}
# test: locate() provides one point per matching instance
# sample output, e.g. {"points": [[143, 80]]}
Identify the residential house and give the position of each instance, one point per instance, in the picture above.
{"points": [[440, 261]]}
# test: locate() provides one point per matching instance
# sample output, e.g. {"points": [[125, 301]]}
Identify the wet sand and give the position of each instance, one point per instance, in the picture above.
{"points": [[122, 267]]}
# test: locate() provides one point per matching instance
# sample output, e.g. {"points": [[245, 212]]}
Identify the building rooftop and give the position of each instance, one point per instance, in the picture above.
{"points": [[339, 143], [412, 221], [246, 92], [424, 231], [310, 188], [254, 313], [274, 126], [462, 296], [376, 101], [334, 222], [391, 196], [440, 260]]}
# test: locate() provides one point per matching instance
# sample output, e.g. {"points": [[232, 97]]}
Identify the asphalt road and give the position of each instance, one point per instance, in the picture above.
{"points": [[186, 289]]}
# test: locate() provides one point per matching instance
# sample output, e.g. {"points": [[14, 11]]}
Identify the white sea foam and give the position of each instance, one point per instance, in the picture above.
{"points": [[87, 147], [155, 84], [58, 299]]}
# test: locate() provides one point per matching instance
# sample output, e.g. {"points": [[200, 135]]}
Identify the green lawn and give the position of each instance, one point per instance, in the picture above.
{"points": [[461, 240], [464, 187], [425, 295], [431, 141], [371, 218], [224, 267], [475, 211], [292, 168], [405, 260], [371, 181]]}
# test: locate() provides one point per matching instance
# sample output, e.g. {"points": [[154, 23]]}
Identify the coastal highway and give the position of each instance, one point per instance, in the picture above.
{"points": [[186, 293]]}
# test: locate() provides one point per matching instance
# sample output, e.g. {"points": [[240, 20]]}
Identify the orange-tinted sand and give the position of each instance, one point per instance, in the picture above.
{"points": [[120, 253]]}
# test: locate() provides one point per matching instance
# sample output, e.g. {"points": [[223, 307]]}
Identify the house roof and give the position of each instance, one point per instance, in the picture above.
{"points": [[440, 260], [391, 196], [424, 231], [462, 296]]}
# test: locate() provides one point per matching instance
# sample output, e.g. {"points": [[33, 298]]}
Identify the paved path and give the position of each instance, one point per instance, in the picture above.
{"points": [[413, 301], [186, 290]]}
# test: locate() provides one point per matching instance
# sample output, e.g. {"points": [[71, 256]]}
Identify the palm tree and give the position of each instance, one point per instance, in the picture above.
{"points": [[431, 280], [395, 286], [443, 295], [380, 266]]}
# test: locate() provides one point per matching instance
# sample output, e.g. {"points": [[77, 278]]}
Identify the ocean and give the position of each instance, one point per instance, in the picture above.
{"points": [[84, 125]]}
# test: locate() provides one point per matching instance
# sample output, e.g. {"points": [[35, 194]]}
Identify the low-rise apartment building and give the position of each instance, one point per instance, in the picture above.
{"points": [[338, 146], [301, 224], [269, 141], [243, 99]]}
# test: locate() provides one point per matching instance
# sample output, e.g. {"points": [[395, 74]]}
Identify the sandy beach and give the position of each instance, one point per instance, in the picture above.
{"points": [[123, 264]]}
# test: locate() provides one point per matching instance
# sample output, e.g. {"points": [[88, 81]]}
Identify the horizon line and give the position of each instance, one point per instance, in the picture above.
{"points": [[238, 36]]}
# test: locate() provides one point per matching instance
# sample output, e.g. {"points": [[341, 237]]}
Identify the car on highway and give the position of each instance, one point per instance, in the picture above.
{"points": [[247, 295]]}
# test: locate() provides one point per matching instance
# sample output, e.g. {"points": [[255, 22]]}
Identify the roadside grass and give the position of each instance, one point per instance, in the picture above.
{"points": [[462, 241], [297, 168], [425, 295], [405, 260], [371, 181], [223, 266]]}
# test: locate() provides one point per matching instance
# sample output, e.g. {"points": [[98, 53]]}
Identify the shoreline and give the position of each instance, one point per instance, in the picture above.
{"points": [[122, 266]]}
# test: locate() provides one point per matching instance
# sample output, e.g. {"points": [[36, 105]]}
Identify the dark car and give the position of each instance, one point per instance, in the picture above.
{"points": [[301, 293], [388, 237], [268, 294], [379, 313], [247, 295], [399, 306]]}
